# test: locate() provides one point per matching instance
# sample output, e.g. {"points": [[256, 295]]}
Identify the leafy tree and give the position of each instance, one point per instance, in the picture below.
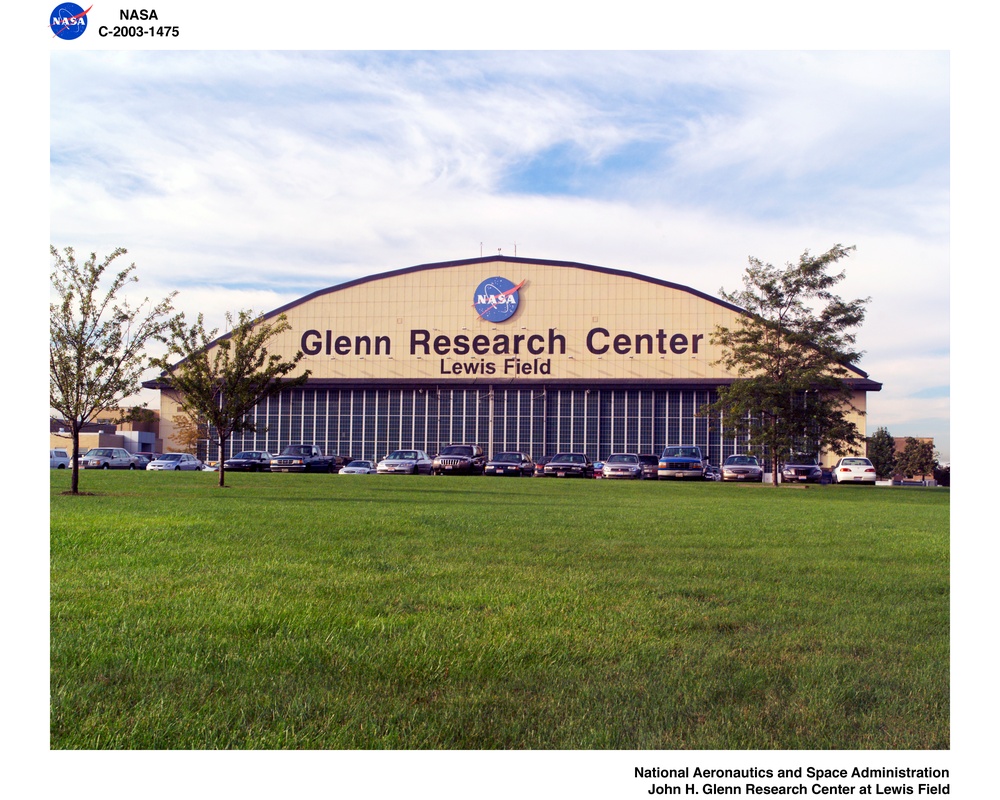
{"points": [[791, 351], [882, 453], [942, 474], [139, 414], [917, 458], [221, 380], [189, 430], [97, 340]]}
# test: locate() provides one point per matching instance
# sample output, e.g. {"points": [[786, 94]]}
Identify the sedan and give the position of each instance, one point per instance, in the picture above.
{"points": [[623, 465], [540, 466], [519, 465], [174, 461], [405, 462], [854, 470], [108, 458], [359, 468], [801, 468], [742, 468], [250, 461], [570, 465]]}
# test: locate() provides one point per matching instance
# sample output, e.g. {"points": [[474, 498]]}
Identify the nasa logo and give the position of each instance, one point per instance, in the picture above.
{"points": [[496, 299], [68, 21]]}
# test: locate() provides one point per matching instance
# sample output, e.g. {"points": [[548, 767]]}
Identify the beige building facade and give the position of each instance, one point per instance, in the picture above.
{"points": [[106, 431], [510, 353]]}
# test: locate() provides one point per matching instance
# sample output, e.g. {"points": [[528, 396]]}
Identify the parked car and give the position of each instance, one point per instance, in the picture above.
{"points": [[742, 468], [142, 459], [540, 466], [58, 458], [623, 465], [853, 469], [517, 464], [801, 468], [174, 461], [650, 464], [304, 458], [570, 465], [712, 473], [681, 462], [598, 469], [250, 461], [405, 462], [359, 467], [459, 458], [108, 458]]}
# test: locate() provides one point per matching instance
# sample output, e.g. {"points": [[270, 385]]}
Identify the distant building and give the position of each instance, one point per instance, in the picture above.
{"points": [[136, 437], [509, 353]]}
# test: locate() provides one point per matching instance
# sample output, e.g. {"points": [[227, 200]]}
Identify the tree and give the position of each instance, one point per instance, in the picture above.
{"points": [[220, 381], [790, 350], [97, 340], [135, 414], [189, 430], [917, 458], [882, 453]]}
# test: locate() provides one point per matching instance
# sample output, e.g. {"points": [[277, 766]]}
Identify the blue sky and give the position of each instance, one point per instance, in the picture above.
{"points": [[249, 178]]}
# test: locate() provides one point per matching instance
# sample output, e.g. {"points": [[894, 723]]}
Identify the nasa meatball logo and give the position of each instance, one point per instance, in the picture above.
{"points": [[496, 299], [68, 21]]}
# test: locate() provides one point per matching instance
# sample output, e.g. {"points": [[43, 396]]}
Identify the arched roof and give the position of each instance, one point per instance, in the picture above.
{"points": [[573, 323]]}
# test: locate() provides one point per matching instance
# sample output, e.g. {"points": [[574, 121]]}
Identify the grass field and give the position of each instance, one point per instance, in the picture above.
{"points": [[327, 611]]}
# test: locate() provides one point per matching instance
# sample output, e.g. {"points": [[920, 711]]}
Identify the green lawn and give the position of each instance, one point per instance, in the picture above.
{"points": [[328, 611]]}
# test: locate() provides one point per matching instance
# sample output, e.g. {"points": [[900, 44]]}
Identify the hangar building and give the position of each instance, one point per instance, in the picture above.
{"points": [[510, 353]]}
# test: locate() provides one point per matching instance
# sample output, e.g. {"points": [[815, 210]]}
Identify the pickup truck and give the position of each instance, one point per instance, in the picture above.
{"points": [[305, 458], [681, 462]]}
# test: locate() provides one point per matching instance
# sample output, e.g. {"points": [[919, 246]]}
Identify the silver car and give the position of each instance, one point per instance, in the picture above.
{"points": [[405, 462], [742, 468], [109, 458], [174, 461], [623, 465], [359, 467]]}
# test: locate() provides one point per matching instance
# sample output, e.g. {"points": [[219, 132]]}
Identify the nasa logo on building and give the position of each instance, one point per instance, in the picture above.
{"points": [[496, 299], [68, 21]]}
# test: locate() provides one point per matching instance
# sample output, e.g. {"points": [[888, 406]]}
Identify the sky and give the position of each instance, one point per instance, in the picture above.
{"points": [[247, 179]]}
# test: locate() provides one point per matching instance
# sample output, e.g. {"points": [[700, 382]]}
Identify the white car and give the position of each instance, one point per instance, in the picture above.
{"points": [[58, 458], [854, 469], [359, 468], [174, 461]]}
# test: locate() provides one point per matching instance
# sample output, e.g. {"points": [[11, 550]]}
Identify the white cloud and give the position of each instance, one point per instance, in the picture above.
{"points": [[250, 179]]}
